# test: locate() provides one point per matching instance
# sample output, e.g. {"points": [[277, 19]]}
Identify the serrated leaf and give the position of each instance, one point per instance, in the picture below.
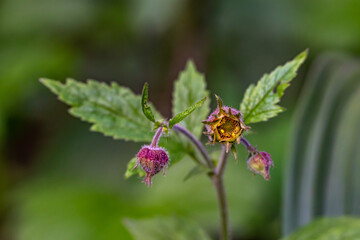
{"points": [[174, 147], [260, 101], [131, 170], [181, 116], [329, 228], [189, 88], [113, 110], [145, 107], [165, 228]]}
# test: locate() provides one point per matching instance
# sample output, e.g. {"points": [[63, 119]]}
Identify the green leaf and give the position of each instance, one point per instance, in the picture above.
{"points": [[260, 101], [173, 145], [130, 171], [329, 228], [165, 228], [181, 116], [145, 107], [189, 88], [113, 110], [234, 152]]}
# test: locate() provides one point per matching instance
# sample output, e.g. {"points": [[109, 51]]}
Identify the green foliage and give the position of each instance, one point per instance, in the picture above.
{"points": [[176, 119], [260, 102], [189, 88], [165, 229], [145, 107], [130, 171], [329, 228], [181, 116], [172, 143], [324, 163], [116, 111], [113, 110]]}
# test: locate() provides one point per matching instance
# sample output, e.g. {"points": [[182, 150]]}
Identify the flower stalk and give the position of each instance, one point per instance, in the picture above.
{"points": [[197, 144], [217, 178], [218, 182], [247, 145], [156, 138]]}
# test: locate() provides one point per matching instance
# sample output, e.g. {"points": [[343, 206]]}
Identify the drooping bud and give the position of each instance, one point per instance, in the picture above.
{"points": [[152, 160], [225, 125], [260, 163]]}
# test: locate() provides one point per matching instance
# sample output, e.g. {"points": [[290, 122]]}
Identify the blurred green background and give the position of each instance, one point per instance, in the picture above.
{"points": [[58, 180]]}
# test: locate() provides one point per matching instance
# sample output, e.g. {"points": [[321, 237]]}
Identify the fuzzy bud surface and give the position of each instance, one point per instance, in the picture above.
{"points": [[260, 163], [152, 160]]}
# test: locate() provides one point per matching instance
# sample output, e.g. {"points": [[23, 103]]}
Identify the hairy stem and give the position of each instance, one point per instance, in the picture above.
{"points": [[247, 145], [156, 138], [218, 182], [199, 146], [223, 208], [217, 178], [220, 168]]}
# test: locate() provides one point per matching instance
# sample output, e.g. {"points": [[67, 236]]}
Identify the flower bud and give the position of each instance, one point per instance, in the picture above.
{"points": [[260, 163], [224, 125], [152, 160]]}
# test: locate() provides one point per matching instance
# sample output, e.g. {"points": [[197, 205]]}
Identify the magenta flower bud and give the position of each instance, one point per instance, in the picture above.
{"points": [[152, 160], [260, 163]]}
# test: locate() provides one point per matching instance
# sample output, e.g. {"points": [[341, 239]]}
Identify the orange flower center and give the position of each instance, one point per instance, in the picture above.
{"points": [[228, 129]]}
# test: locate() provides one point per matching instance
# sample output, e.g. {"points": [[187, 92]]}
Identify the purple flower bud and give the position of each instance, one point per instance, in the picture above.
{"points": [[260, 163], [152, 160]]}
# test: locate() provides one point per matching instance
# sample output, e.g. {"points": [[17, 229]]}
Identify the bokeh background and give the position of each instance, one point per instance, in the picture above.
{"points": [[60, 181]]}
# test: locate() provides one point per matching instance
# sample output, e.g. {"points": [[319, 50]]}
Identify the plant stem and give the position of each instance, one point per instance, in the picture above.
{"points": [[196, 143], [217, 178], [247, 145], [220, 168], [218, 181], [156, 138], [223, 208]]}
